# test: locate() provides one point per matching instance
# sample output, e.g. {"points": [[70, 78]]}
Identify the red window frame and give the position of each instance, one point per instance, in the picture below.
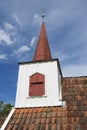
{"points": [[37, 85]]}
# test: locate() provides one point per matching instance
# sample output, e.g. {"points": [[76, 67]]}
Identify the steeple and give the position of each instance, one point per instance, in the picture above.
{"points": [[42, 50]]}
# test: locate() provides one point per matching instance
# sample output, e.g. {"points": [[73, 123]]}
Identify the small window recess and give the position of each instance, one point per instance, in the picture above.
{"points": [[37, 85]]}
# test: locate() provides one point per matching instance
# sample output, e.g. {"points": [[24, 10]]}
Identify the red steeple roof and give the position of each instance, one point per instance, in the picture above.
{"points": [[42, 50]]}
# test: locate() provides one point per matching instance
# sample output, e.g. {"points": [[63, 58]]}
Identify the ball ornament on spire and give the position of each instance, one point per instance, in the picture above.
{"points": [[43, 15]]}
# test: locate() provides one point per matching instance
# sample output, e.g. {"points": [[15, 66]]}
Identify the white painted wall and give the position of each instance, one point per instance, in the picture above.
{"points": [[52, 92]]}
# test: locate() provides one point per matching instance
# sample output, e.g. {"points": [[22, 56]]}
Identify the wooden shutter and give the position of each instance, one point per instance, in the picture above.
{"points": [[37, 85]]}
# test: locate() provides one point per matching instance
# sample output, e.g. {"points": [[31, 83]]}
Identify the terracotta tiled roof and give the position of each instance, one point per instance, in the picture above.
{"points": [[44, 118], [75, 95], [71, 117], [42, 50]]}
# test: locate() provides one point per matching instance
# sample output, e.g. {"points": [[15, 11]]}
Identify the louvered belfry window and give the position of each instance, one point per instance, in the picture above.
{"points": [[37, 85]]}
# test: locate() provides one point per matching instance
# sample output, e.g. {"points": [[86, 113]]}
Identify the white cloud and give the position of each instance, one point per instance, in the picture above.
{"points": [[22, 49], [5, 37], [37, 19], [33, 41], [3, 57], [7, 33], [9, 26]]}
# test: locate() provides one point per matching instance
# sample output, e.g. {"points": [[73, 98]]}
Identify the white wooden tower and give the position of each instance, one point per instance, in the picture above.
{"points": [[39, 81]]}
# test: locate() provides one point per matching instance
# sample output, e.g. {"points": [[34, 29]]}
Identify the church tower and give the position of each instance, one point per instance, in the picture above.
{"points": [[39, 104], [39, 81]]}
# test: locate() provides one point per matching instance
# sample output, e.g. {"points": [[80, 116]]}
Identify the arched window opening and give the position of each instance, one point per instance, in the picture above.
{"points": [[37, 85]]}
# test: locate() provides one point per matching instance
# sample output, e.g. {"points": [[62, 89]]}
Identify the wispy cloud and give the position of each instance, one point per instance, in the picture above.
{"points": [[17, 19], [5, 37], [7, 33], [62, 56], [21, 54], [37, 19], [22, 49], [33, 41], [3, 57], [8, 26]]}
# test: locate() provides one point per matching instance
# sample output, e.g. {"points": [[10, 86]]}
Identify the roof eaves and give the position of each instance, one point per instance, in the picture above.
{"points": [[7, 119]]}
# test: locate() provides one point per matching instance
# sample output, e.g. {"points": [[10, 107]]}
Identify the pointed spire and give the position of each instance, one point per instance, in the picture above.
{"points": [[42, 51]]}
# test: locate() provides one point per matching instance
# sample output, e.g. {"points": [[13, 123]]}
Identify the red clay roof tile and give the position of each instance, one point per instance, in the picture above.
{"points": [[43, 120], [31, 127], [54, 127], [40, 109]]}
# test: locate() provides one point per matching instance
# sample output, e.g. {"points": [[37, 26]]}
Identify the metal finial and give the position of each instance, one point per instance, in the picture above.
{"points": [[43, 15]]}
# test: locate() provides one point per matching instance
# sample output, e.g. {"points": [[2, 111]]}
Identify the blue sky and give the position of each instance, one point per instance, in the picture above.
{"points": [[20, 22]]}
